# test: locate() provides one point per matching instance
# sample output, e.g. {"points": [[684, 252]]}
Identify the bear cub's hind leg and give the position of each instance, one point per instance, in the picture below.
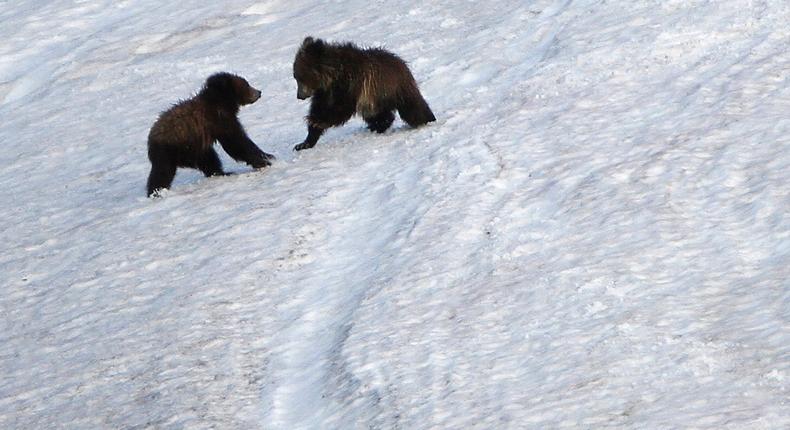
{"points": [[415, 111], [380, 122], [161, 176]]}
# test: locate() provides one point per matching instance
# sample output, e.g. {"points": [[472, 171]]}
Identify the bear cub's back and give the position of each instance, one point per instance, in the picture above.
{"points": [[183, 123]]}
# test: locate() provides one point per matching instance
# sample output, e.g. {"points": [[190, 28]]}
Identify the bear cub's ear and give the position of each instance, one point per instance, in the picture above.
{"points": [[313, 46], [219, 82]]}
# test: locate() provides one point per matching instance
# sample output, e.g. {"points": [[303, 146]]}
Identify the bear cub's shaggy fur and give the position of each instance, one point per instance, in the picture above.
{"points": [[184, 135], [343, 79]]}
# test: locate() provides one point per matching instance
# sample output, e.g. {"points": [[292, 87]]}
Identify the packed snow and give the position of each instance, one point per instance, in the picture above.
{"points": [[594, 234]]}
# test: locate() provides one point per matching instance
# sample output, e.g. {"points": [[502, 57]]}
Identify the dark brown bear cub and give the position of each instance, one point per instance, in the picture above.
{"points": [[184, 135], [343, 79]]}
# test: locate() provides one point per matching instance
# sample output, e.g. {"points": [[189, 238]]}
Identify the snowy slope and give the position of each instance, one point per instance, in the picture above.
{"points": [[594, 234]]}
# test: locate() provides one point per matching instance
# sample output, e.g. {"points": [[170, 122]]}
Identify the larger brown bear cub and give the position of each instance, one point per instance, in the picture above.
{"points": [[343, 79], [184, 135]]}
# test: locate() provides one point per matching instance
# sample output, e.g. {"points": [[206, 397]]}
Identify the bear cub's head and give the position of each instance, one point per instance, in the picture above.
{"points": [[312, 69], [229, 89]]}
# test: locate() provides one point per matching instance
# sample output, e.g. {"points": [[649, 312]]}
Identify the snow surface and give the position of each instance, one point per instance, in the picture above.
{"points": [[594, 234]]}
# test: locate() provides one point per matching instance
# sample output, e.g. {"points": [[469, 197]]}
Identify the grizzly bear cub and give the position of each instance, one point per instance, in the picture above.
{"points": [[343, 79], [184, 135]]}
